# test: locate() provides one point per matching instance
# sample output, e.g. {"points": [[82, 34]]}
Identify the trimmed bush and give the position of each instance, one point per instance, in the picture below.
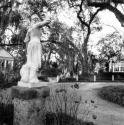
{"points": [[51, 72], [68, 80], [113, 94], [2, 78]]}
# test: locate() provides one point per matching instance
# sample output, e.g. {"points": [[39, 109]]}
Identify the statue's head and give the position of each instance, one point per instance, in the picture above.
{"points": [[35, 19]]}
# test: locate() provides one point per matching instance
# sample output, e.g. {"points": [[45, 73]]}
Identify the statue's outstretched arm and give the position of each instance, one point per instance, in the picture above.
{"points": [[41, 24], [37, 25]]}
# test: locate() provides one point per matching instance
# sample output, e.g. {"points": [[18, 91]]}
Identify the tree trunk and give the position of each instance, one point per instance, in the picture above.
{"points": [[85, 66]]}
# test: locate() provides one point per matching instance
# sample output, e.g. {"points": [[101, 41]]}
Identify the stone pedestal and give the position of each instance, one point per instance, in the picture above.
{"points": [[29, 105]]}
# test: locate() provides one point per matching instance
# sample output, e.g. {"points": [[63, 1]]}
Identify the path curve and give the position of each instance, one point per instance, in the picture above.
{"points": [[107, 113]]}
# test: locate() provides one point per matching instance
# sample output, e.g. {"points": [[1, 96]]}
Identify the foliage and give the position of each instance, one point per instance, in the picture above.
{"points": [[1, 78], [67, 80], [89, 23], [6, 107], [110, 46], [61, 40], [8, 79], [63, 106], [104, 76], [51, 72], [113, 94], [17, 17], [61, 45], [8, 15]]}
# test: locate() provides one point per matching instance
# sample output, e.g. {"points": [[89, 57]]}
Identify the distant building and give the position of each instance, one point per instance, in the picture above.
{"points": [[117, 65], [6, 60]]}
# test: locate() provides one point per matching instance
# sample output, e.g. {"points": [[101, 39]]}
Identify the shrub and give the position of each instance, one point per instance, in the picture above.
{"points": [[113, 94], [51, 72], [2, 78], [68, 80], [8, 79], [6, 108]]}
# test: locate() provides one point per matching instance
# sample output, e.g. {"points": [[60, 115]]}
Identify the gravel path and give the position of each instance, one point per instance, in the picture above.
{"points": [[107, 113]]}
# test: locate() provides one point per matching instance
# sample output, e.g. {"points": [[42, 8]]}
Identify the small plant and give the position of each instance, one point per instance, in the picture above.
{"points": [[88, 110], [63, 100], [63, 107]]}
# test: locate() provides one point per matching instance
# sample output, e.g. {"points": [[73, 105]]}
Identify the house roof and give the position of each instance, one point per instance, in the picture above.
{"points": [[4, 54]]}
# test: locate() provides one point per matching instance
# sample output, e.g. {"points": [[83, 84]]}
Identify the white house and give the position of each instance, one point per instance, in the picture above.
{"points": [[6, 60]]}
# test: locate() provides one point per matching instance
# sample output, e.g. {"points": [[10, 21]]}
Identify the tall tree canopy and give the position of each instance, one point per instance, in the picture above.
{"points": [[110, 46], [16, 17]]}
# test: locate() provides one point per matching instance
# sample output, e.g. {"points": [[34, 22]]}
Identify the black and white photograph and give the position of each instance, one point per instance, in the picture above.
{"points": [[61, 62]]}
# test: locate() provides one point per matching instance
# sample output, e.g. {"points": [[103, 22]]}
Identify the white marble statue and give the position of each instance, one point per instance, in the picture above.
{"points": [[29, 70]]}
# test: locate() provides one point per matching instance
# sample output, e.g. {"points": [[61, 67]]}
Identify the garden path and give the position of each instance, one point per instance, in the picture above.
{"points": [[107, 113]]}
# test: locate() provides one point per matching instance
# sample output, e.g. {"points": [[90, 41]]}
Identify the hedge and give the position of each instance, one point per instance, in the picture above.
{"points": [[113, 94]]}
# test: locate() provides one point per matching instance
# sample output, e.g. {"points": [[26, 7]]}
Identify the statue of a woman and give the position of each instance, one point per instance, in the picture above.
{"points": [[29, 70]]}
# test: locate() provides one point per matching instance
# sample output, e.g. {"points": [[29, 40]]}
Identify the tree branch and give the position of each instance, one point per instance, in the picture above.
{"points": [[93, 16], [79, 17], [11, 44], [119, 15]]}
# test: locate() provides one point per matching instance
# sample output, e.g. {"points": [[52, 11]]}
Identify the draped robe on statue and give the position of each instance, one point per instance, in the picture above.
{"points": [[29, 70]]}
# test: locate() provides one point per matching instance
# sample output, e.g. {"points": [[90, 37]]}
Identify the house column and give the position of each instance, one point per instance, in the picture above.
{"points": [[12, 62], [5, 63]]}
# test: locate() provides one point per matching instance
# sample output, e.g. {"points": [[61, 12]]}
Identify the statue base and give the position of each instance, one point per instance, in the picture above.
{"points": [[29, 105], [32, 85]]}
